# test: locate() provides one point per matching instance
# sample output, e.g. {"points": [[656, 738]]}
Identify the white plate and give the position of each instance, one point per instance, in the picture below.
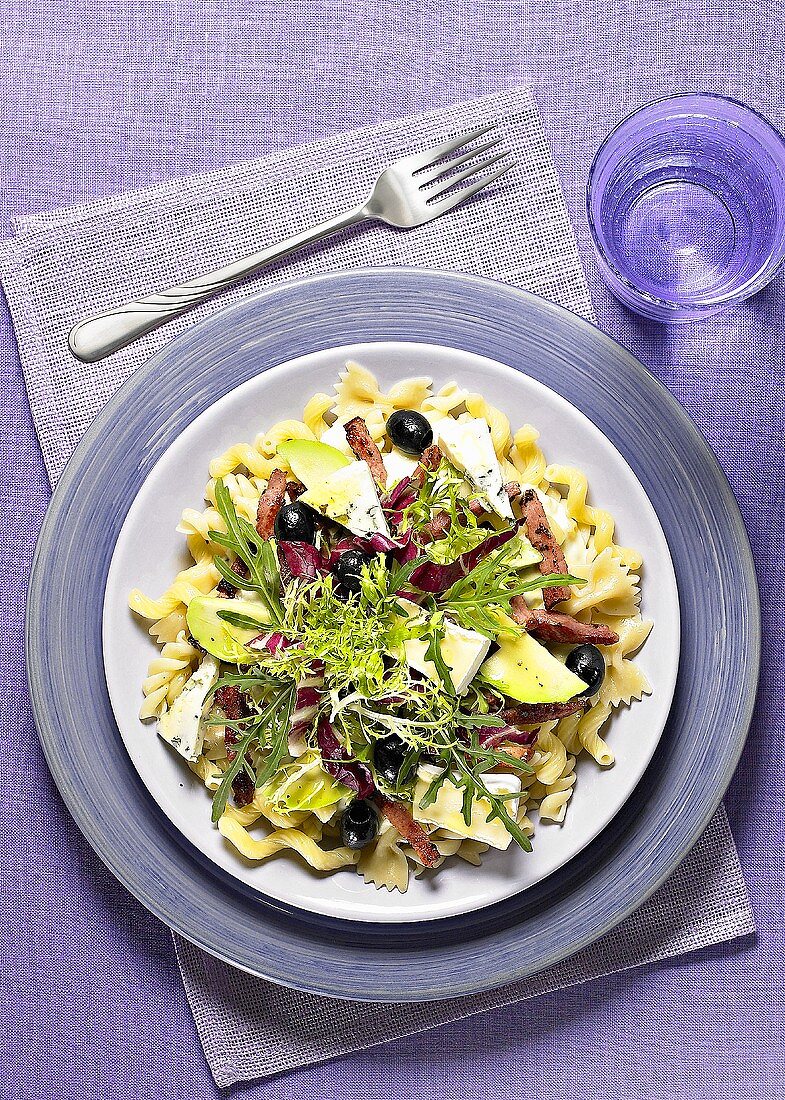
{"points": [[149, 552]]}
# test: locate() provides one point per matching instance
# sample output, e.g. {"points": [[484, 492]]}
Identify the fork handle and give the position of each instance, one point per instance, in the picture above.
{"points": [[102, 335]]}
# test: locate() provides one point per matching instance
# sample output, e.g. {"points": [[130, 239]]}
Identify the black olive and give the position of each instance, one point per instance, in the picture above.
{"points": [[388, 756], [588, 663], [294, 523], [348, 569], [410, 431], [359, 824]]}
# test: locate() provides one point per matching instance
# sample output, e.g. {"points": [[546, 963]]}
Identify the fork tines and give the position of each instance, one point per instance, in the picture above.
{"points": [[437, 173]]}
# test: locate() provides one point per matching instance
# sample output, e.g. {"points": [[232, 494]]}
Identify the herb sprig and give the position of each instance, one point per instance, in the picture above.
{"points": [[258, 556], [473, 600], [267, 732]]}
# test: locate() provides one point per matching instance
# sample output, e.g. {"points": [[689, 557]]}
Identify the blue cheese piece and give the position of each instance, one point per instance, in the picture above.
{"points": [[181, 725], [446, 812], [398, 466], [335, 436], [468, 445], [463, 651], [349, 497]]}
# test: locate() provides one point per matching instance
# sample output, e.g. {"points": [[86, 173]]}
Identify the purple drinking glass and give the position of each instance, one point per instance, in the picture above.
{"points": [[686, 204]]}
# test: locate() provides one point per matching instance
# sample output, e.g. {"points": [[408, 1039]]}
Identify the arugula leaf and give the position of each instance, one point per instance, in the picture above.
{"points": [[256, 678], [436, 635], [244, 622], [434, 787], [467, 803], [221, 795], [481, 720], [259, 557], [473, 600], [269, 730], [475, 788], [499, 810]]}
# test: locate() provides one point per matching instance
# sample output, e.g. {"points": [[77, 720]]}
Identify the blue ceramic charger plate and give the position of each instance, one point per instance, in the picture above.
{"points": [[525, 933]]}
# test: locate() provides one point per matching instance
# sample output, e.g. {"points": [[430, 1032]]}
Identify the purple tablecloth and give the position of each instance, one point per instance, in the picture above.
{"points": [[98, 98]]}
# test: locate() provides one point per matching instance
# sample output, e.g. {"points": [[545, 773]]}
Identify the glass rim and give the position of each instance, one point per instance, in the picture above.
{"points": [[740, 293]]}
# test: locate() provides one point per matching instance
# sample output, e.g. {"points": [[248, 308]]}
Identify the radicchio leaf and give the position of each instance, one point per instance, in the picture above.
{"points": [[434, 578], [491, 736], [407, 550], [306, 702], [271, 643], [353, 775], [401, 495], [302, 559], [397, 501], [374, 544]]}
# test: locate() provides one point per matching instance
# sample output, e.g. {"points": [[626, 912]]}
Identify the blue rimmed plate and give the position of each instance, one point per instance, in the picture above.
{"points": [[523, 933]]}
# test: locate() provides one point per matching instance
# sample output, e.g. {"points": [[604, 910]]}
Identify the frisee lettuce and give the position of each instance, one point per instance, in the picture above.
{"points": [[353, 637], [445, 490]]}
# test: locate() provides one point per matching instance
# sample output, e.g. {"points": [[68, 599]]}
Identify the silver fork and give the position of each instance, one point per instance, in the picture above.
{"points": [[413, 190]]}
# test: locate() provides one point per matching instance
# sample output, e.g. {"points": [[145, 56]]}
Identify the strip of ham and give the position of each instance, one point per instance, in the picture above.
{"points": [[235, 705], [359, 439], [541, 537], [527, 714], [232, 701], [554, 626], [243, 788], [405, 492], [411, 830], [429, 461], [270, 504], [431, 457]]}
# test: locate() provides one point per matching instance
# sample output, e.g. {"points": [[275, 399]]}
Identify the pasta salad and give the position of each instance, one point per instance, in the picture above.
{"points": [[401, 628]]}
